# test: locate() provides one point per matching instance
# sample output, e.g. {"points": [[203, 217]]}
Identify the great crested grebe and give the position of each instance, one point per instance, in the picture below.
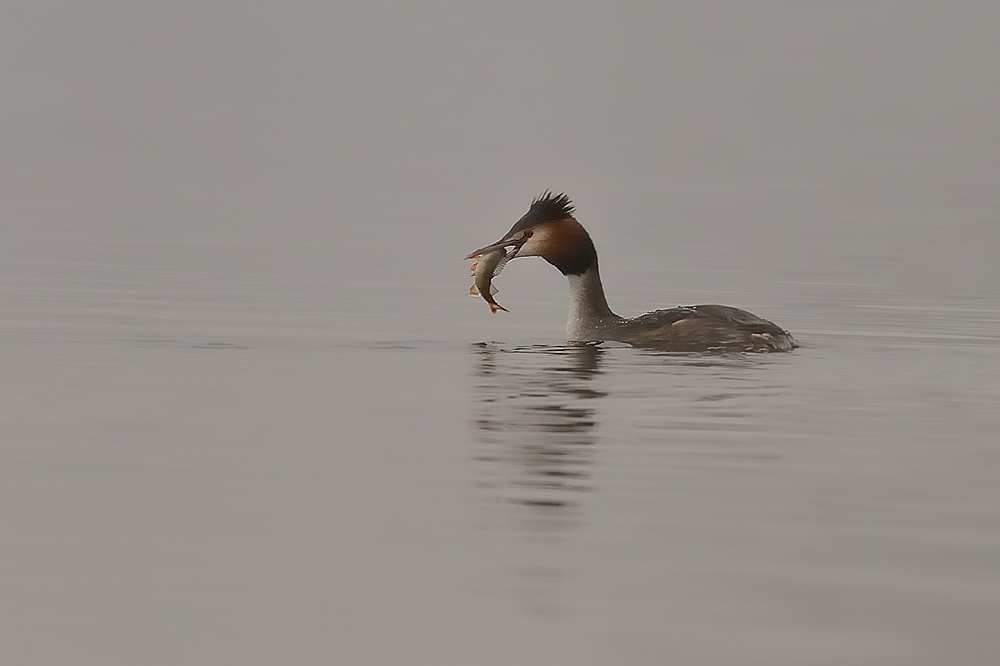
{"points": [[549, 230]]}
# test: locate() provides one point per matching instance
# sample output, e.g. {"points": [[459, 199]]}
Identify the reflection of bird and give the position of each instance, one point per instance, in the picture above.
{"points": [[550, 231], [535, 421]]}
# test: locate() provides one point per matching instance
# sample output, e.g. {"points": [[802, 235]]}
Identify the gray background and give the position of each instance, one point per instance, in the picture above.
{"points": [[248, 413]]}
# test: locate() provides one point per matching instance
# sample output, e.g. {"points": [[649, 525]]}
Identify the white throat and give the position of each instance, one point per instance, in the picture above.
{"points": [[590, 318]]}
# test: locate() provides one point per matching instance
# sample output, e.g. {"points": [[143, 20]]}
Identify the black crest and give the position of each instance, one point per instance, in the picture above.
{"points": [[550, 206], [546, 208]]}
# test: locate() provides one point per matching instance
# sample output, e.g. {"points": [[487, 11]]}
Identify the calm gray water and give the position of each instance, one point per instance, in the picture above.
{"points": [[249, 414]]}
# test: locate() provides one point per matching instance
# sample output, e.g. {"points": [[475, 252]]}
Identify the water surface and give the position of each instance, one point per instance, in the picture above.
{"points": [[250, 416]]}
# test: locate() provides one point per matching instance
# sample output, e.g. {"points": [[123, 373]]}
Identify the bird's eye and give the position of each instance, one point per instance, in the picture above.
{"points": [[527, 233]]}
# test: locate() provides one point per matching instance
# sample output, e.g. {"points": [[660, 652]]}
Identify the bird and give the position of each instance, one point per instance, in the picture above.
{"points": [[551, 231]]}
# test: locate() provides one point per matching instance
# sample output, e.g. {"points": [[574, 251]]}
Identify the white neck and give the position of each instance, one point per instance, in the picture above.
{"points": [[590, 318]]}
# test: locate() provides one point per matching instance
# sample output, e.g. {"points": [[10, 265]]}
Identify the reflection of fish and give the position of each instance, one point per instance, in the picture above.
{"points": [[485, 269]]}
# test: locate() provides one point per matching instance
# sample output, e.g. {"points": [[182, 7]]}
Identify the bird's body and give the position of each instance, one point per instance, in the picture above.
{"points": [[550, 231]]}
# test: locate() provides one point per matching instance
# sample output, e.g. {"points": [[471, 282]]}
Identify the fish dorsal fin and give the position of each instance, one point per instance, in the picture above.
{"points": [[500, 265]]}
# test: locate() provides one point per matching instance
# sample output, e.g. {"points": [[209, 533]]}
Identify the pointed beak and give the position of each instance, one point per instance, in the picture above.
{"points": [[515, 242]]}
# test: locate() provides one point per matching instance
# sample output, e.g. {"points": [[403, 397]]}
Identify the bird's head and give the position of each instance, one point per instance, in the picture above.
{"points": [[549, 230]]}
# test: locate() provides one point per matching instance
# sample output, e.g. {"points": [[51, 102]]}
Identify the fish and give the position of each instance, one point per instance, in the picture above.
{"points": [[487, 267]]}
